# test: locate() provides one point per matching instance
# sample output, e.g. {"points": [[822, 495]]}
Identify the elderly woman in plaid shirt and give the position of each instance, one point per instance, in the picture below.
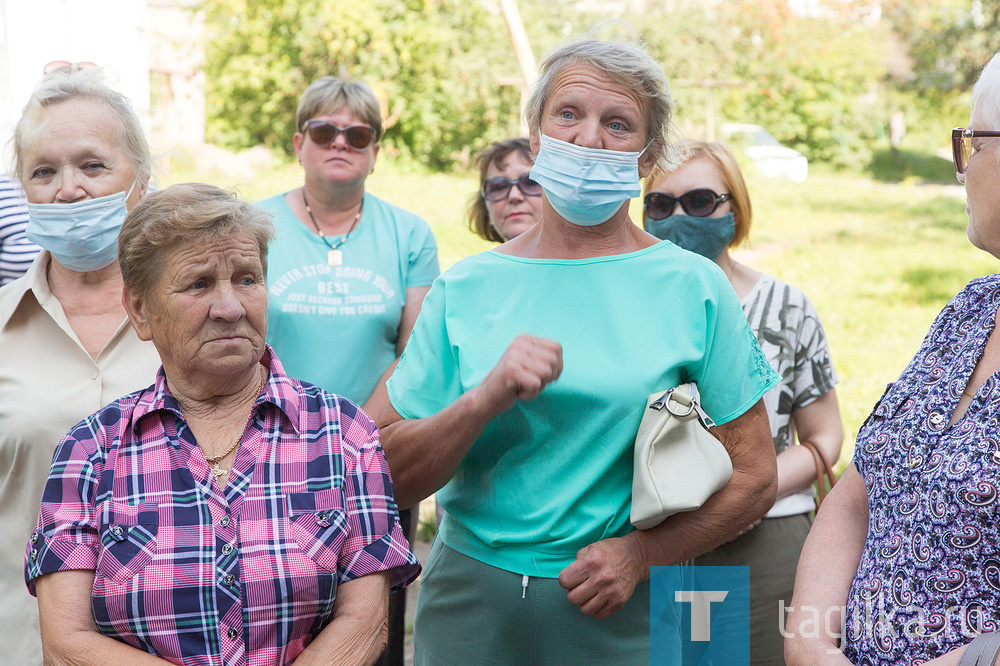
{"points": [[228, 513]]}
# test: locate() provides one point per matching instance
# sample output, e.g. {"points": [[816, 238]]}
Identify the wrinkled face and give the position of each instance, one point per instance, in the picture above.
{"points": [[589, 108], [518, 212], [76, 155], [336, 162], [980, 180], [697, 173], [207, 314]]}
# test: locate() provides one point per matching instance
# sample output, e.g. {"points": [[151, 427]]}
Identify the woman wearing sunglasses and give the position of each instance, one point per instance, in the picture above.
{"points": [[509, 202], [908, 540], [703, 206], [347, 271]]}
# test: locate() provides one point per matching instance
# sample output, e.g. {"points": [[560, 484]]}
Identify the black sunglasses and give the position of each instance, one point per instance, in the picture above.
{"points": [[498, 189], [697, 203], [323, 133], [961, 145]]}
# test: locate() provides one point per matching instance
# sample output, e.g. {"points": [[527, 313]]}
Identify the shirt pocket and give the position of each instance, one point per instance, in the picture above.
{"points": [[318, 525], [128, 539]]}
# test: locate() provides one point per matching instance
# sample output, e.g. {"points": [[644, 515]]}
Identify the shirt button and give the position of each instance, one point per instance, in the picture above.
{"points": [[34, 535], [914, 463], [937, 419], [233, 634], [227, 549], [322, 518], [228, 580], [224, 522], [34, 554], [93, 376]]}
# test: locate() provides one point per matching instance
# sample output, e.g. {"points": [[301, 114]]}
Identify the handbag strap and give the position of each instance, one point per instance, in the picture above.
{"points": [[824, 471], [982, 651]]}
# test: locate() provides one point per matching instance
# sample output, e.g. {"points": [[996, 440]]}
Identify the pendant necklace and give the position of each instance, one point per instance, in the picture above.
{"points": [[215, 460], [334, 257]]}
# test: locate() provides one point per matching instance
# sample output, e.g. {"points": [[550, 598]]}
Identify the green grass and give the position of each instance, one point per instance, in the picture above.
{"points": [[878, 257]]}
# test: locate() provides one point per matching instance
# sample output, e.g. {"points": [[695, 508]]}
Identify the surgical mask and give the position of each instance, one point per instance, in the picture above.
{"points": [[707, 236], [585, 185], [83, 235]]}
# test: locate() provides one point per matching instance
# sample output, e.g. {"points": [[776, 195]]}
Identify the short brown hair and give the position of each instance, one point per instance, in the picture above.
{"points": [[732, 178], [183, 213], [478, 216], [328, 94]]}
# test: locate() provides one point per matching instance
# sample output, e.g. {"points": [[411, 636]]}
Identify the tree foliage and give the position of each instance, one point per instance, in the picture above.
{"points": [[446, 75]]}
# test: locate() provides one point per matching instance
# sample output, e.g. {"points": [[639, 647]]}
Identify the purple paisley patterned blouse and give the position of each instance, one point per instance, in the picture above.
{"points": [[929, 577]]}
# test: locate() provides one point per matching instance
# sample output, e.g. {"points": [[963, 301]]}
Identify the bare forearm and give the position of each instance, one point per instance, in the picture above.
{"points": [[745, 499], [819, 423], [827, 566], [358, 633], [347, 641], [379, 398], [423, 454], [89, 648]]}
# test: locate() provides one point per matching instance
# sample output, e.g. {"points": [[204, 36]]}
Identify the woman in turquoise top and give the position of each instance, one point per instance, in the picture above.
{"points": [[347, 271], [520, 392]]}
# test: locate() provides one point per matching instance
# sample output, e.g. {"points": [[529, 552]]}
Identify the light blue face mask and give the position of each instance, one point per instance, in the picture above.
{"points": [[708, 236], [585, 185], [83, 235]]}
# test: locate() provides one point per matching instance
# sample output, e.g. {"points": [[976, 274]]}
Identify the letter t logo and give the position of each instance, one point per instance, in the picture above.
{"points": [[701, 610]]}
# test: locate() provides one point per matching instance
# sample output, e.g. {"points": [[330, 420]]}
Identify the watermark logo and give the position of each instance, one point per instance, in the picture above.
{"points": [[699, 616]]}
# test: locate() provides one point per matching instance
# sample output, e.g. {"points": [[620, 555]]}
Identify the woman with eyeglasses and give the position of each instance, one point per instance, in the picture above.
{"points": [[703, 206], [347, 271], [509, 202], [905, 553]]}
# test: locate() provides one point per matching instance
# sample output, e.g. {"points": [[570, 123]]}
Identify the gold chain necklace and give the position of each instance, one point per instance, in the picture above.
{"points": [[334, 257], [215, 460]]}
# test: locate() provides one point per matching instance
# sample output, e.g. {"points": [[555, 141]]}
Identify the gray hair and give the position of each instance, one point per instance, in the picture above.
{"points": [[628, 64], [328, 94], [986, 93], [183, 213], [67, 85]]}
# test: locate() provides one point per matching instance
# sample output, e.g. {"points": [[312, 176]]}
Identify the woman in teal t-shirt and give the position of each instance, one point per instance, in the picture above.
{"points": [[347, 271], [520, 392]]}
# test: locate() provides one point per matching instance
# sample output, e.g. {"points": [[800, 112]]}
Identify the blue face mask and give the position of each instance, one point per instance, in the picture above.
{"points": [[82, 236], [708, 236], [585, 185]]}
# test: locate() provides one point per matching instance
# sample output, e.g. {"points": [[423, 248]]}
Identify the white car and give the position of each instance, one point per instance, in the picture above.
{"points": [[772, 159]]}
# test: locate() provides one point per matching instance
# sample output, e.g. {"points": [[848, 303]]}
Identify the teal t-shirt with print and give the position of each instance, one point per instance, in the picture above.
{"points": [[337, 326], [554, 474]]}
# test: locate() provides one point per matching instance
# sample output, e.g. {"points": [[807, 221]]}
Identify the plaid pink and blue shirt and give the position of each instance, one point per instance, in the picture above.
{"points": [[197, 574]]}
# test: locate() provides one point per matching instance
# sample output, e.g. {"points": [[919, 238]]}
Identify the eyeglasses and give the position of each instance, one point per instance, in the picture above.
{"points": [[961, 145], [697, 203], [498, 189], [324, 133], [60, 65]]}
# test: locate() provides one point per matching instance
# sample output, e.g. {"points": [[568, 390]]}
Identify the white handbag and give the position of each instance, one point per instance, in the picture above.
{"points": [[678, 463]]}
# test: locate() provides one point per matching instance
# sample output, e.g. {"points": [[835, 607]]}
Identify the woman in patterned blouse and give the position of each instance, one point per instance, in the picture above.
{"points": [[908, 541], [228, 513], [713, 216]]}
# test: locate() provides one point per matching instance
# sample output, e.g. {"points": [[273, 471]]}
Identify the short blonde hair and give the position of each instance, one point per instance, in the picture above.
{"points": [[629, 65], [478, 216], [66, 85], [181, 214], [732, 179], [328, 94]]}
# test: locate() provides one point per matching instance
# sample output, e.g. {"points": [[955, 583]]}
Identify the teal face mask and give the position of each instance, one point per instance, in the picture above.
{"points": [[585, 185], [83, 235], [707, 236]]}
